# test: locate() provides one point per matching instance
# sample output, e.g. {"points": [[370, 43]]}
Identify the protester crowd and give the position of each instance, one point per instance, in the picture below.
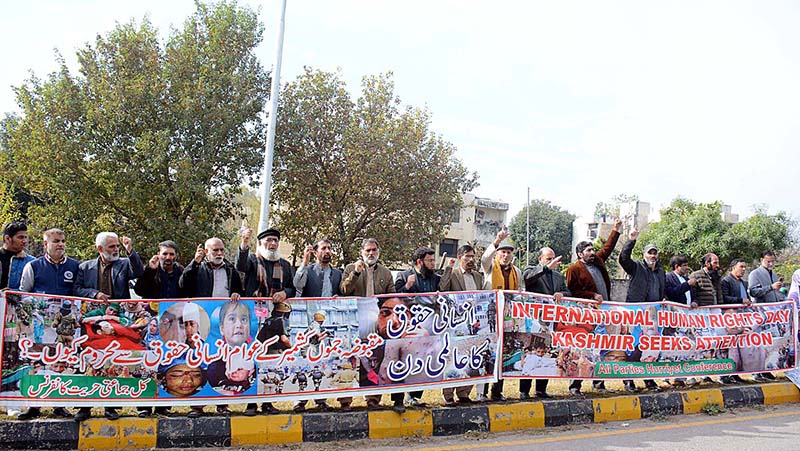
{"points": [[264, 273]]}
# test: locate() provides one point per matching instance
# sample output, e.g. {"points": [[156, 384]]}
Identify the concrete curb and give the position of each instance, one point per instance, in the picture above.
{"points": [[146, 433]]}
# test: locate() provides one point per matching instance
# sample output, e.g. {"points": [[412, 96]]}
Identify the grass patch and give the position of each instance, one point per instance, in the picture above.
{"points": [[712, 409]]}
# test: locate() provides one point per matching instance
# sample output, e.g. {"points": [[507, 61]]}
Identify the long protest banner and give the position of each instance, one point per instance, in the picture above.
{"points": [[68, 351], [579, 339]]}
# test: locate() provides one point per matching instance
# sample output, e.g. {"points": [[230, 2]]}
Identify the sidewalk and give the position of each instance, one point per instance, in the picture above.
{"points": [[146, 433]]}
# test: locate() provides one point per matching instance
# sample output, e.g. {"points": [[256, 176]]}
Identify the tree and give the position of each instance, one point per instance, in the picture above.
{"points": [[611, 209], [348, 169], [694, 229], [758, 233], [149, 140], [549, 226]]}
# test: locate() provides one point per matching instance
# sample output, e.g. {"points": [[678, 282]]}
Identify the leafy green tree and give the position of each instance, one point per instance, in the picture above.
{"points": [[758, 233], [694, 229], [550, 226], [350, 169], [147, 139]]}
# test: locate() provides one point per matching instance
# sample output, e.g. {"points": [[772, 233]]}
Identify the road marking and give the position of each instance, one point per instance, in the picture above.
{"points": [[564, 438]]}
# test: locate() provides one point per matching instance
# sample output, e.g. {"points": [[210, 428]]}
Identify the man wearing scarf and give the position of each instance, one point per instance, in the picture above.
{"points": [[266, 274], [500, 273]]}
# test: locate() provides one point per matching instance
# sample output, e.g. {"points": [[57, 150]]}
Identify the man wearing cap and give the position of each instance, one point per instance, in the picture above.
{"points": [[647, 284], [277, 325], [500, 273], [587, 278], [266, 275], [367, 277], [107, 277], [54, 274]]}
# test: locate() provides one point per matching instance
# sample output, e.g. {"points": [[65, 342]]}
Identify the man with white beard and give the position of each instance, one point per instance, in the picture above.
{"points": [[107, 277], [262, 276], [209, 275], [266, 275]]}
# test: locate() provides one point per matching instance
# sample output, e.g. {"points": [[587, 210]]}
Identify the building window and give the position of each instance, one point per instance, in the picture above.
{"points": [[455, 215], [449, 246]]}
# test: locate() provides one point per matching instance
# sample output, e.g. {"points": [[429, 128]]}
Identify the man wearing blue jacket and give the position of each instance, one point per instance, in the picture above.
{"points": [[54, 273]]}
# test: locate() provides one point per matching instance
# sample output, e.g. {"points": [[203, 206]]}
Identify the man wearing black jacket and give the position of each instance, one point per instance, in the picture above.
{"points": [[679, 287], [209, 275], [646, 285], [543, 278], [160, 281]]}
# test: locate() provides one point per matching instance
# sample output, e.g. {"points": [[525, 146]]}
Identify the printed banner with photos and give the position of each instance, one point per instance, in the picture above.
{"points": [[68, 351], [579, 339]]}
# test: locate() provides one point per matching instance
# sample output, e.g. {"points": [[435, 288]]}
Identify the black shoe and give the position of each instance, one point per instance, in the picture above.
{"points": [[399, 408], [163, 411], [465, 401], [111, 414], [223, 410], [30, 414], [727, 380], [196, 412], [269, 409], [542, 395], [630, 387], [769, 376], [738, 378], [83, 414], [251, 410], [143, 413], [524, 396], [300, 408], [498, 398], [576, 392], [346, 408], [62, 412], [652, 385]]}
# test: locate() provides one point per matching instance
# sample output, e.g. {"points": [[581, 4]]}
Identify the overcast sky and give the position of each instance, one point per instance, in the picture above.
{"points": [[577, 100]]}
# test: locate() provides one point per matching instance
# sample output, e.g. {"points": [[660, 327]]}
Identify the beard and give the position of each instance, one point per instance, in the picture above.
{"points": [[269, 254], [471, 266], [325, 259], [589, 259], [370, 260], [109, 257], [426, 272]]}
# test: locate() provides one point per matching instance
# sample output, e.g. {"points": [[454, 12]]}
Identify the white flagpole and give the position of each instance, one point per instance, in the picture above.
{"points": [[266, 185]]}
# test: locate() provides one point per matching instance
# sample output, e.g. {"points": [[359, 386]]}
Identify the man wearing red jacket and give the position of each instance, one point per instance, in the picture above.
{"points": [[588, 278]]}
